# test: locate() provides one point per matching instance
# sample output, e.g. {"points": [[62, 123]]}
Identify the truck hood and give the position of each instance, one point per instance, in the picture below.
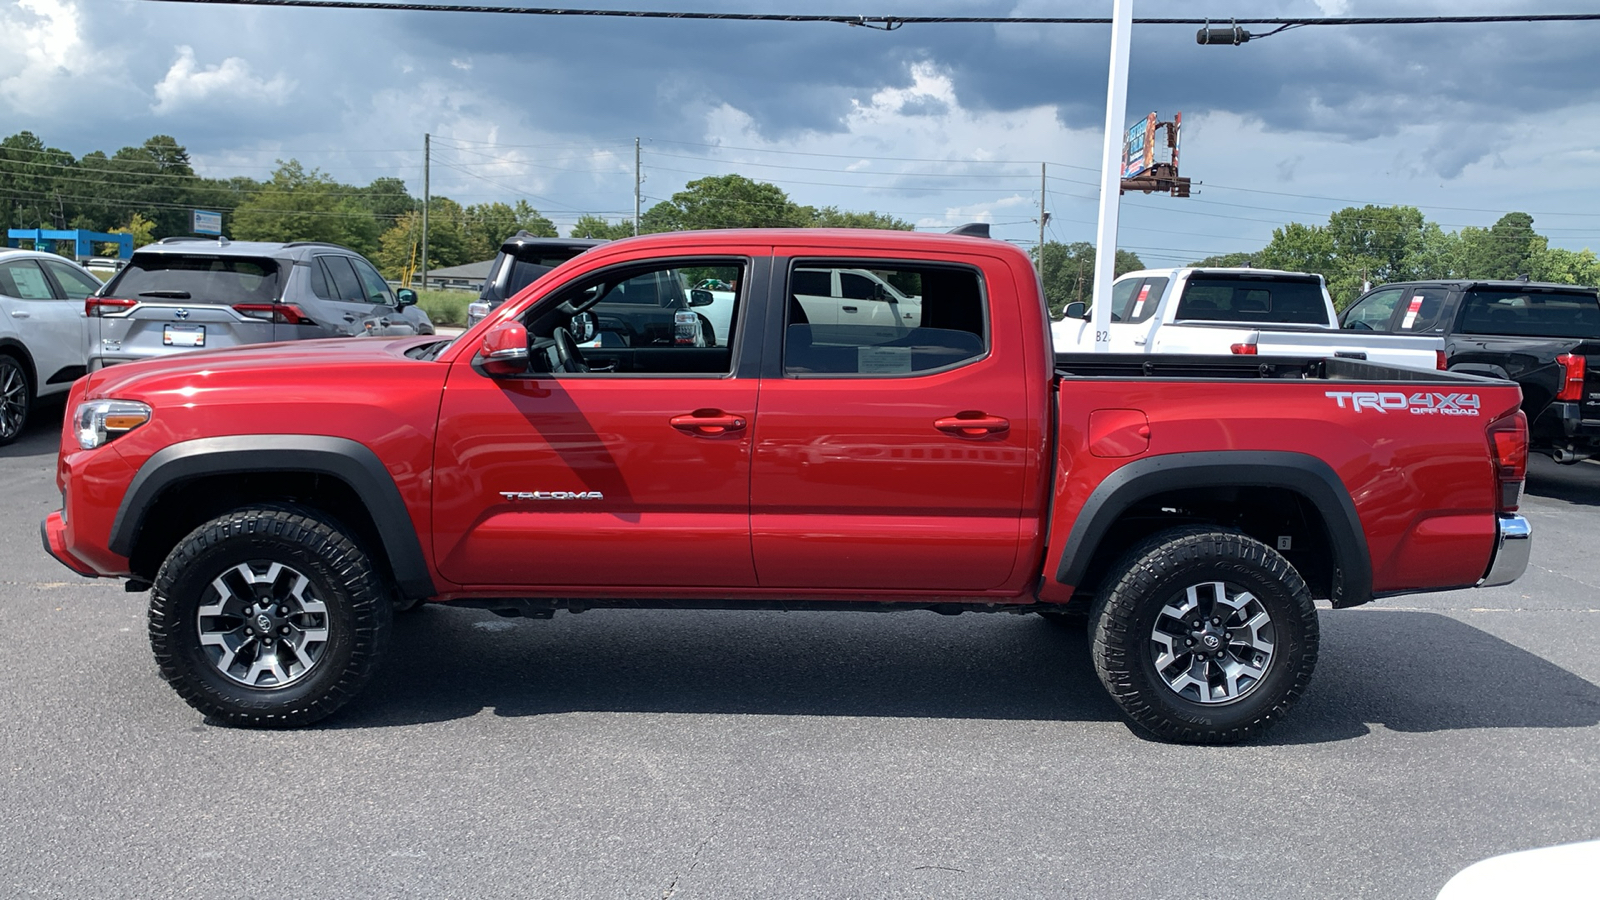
{"points": [[265, 362]]}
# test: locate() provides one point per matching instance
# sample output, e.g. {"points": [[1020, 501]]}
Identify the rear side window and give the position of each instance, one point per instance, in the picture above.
{"points": [[346, 286], [1420, 308], [77, 283], [203, 279], [1531, 313], [1135, 300], [915, 319], [1232, 298]]}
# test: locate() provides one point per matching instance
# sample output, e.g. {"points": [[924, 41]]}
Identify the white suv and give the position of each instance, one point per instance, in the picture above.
{"points": [[43, 345]]}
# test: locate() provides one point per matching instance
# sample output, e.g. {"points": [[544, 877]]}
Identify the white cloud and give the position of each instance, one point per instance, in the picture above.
{"points": [[41, 50], [187, 85]]}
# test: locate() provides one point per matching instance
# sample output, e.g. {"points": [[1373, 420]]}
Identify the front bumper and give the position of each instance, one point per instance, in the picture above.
{"points": [[1512, 545], [53, 531]]}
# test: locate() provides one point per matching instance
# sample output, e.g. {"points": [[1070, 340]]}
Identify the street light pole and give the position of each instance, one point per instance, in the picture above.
{"points": [[1105, 255]]}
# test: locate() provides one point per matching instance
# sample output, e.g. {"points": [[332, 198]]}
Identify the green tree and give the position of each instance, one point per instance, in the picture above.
{"points": [[725, 201], [1505, 250], [1068, 271], [589, 226], [1565, 267], [30, 177], [1226, 261], [833, 217], [301, 205], [142, 229]]}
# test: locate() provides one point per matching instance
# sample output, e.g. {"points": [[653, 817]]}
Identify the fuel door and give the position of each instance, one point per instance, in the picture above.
{"points": [[1118, 432]]}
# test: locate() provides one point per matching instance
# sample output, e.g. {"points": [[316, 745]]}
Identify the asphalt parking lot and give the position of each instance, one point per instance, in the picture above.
{"points": [[702, 754]]}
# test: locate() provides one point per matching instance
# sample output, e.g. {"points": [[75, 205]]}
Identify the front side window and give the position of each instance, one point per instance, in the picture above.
{"points": [[1373, 313], [643, 319], [1136, 299], [377, 290], [917, 319]]}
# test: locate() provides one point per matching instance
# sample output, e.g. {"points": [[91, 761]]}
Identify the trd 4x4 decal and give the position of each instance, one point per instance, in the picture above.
{"points": [[1425, 403]]}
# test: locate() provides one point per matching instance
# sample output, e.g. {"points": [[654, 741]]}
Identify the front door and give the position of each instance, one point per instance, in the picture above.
{"points": [[627, 465]]}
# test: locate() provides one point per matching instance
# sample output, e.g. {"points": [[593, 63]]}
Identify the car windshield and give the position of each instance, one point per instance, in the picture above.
{"points": [[1532, 313], [1253, 298], [198, 279]]}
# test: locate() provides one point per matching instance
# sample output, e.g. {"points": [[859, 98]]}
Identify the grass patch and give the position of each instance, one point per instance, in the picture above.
{"points": [[445, 307]]}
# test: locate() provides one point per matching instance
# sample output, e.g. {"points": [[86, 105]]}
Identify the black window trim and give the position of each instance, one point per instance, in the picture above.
{"points": [[779, 300]]}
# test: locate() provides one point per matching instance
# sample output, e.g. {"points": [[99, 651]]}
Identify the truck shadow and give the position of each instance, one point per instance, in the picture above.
{"points": [[1406, 671], [1577, 483]]}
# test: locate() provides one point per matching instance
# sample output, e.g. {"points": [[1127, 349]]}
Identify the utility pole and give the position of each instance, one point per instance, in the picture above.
{"points": [[1042, 215], [638, 180], [1105, 256], [427, 154]]}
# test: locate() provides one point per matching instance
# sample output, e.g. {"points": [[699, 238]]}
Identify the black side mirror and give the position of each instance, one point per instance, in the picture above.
{"points": [[1076, 310], [405, 297], [699, 297]]}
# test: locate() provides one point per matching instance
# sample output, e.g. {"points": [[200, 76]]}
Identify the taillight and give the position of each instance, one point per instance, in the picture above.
{"points": [[279, 313], [1243, 349], [1572, 387], [1439, 360], [106, 306], [1508, 444]]}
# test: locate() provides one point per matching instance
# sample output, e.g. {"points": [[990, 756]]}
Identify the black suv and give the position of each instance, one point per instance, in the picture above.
{"points": [[522, 260], [1545, 337]]}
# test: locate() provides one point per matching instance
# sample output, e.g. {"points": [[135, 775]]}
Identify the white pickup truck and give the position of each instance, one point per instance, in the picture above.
{"points": [[1235, 311]]}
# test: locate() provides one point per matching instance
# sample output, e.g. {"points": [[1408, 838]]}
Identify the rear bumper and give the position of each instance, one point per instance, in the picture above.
{"points": [[1512, 545], [53, 531]]}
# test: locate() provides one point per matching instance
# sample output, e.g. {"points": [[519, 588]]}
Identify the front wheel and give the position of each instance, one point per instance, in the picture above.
{"points": [[16, 398], [268, 617], [1204, 636]]}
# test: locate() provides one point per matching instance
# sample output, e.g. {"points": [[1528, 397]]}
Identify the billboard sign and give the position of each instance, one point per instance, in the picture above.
{"points": [[202, 221], [1139, 147]]}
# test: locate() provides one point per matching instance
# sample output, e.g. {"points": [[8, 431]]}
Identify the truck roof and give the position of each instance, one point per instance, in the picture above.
{"points": [[1214, 270]]}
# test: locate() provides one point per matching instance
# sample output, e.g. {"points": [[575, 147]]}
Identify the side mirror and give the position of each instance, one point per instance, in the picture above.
{"points": [[699, 297], [405, 297], [504, 351], [1076, 310]]}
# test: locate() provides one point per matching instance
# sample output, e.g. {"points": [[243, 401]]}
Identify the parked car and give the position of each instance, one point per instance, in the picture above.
{"points": [[103, 266], [523, 259], [185, 293], [41, 331], [1193, 508], [1545, 337], [1234, 311]]}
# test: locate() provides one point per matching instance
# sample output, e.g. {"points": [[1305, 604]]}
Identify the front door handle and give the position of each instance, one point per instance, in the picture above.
{"points": [[708, 423], [19, 314], [972, 424], [848, 308]]}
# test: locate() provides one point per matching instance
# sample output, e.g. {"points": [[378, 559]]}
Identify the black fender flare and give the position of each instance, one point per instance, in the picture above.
{"points": [[1486, 370], [1298, 472], [347, 460]]}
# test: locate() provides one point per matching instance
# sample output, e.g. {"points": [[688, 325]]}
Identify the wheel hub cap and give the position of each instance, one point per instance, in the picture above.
{"points": [[262, 625], [1213, 643]]}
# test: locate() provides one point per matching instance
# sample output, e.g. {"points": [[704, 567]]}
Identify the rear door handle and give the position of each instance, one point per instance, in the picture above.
{"points": [[708, 423], [848, 308], [19, 314], [972, 424]]}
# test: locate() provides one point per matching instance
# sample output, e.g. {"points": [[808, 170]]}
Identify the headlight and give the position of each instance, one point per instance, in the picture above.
{"points": [[100, 421]]}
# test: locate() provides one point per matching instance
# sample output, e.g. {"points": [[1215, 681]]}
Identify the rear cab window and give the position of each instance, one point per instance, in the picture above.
{"points": [[223, 280], [1531, 313], [1265, 299], [915, 318]]}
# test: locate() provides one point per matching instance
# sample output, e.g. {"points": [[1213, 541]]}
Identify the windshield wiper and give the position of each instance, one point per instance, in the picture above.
{"points": [[169, 295]]}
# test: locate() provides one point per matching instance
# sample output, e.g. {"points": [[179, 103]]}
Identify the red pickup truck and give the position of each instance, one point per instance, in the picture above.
{"points": [[921, 448]]}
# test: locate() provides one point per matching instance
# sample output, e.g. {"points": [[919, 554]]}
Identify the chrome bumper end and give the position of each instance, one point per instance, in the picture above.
{"points": [[1513, 543]]}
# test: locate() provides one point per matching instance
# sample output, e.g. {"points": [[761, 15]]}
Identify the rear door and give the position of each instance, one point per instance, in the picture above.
{"points": [[354, 307], [888, 458]]}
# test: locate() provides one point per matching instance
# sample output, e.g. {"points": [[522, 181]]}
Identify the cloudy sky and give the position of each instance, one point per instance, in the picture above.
{"points": [[936, 124]]}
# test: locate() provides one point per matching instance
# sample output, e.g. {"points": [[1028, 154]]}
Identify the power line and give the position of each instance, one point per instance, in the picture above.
{"points": [[887, 23]]}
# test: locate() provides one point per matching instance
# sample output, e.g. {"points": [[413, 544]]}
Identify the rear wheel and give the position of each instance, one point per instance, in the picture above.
{"points": [[268, 617], [16, 398], [1204, 636]]}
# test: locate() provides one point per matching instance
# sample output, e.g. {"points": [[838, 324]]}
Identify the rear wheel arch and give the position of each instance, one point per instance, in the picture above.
{"points": [[15, 348], [1252, 491], [186, 484]]}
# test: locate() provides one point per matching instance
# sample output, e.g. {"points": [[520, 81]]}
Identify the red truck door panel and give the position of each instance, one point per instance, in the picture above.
{"points": [[895, 458], [622, 478]]}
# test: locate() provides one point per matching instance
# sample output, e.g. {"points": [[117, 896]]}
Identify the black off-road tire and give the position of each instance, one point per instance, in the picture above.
{"points": [[16, 398], [1157, 574], [355, 617]]}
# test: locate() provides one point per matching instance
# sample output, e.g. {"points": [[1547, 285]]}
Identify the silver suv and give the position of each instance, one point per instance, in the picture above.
{"points": [[182, 293]]}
